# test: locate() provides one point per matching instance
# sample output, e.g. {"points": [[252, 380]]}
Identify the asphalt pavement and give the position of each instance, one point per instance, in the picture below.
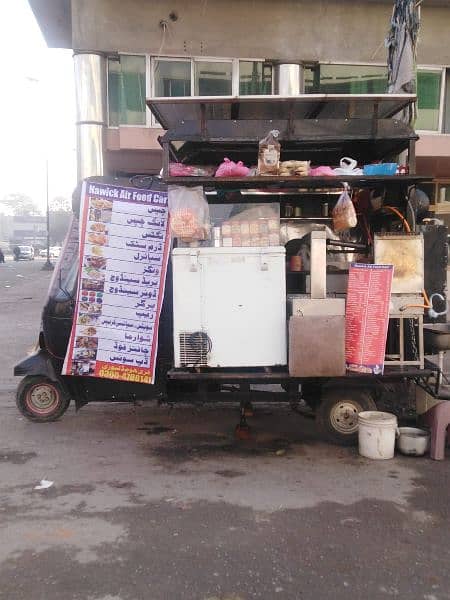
{"points": [[159, 503]]}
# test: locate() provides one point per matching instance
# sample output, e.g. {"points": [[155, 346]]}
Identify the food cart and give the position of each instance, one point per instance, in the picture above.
{"points": [[255, 306]]}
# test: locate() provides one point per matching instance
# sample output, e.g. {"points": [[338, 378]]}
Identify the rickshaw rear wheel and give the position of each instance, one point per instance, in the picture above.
{"points": [[337, 414], [40, 399]]}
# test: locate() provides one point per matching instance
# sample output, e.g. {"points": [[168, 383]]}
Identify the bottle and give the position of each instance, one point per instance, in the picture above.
{"points": [[288, 211]]}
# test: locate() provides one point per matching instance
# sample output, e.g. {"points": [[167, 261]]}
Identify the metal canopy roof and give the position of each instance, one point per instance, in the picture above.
{"points": [[172, 112]]}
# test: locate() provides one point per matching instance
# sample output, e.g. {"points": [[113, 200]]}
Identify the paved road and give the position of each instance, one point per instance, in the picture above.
{"points": [[159, 504]]}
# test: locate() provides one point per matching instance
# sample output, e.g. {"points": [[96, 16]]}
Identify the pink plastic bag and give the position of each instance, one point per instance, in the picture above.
{"points": [[321, 172], [231, 169]]}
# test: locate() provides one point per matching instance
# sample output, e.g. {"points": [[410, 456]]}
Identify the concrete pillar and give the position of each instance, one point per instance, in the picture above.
{"points": [[90, 90]]}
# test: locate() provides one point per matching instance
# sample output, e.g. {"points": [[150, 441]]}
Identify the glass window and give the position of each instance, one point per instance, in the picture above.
{"points": [[255, 77], [126, 90], [447, 102], [346, 79], [172, 78], [428, 100], [213, 78], [113, 92]]}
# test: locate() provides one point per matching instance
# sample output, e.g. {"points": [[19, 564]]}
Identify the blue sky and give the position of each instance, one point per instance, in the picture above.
{"points": [[37, 108]]}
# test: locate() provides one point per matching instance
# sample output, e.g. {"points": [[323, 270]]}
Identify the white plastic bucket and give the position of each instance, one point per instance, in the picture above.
{"points": [[376, 434]]}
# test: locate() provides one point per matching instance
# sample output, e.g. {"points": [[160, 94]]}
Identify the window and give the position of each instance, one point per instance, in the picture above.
{"points": [[172, 78], [213, 78], [443, 192], [255, 77], [428, 99], [446, 121], [126, 90], [346, 79]]}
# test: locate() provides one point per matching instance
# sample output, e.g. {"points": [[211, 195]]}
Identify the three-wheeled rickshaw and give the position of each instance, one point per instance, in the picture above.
{"points": [[256, 308]]}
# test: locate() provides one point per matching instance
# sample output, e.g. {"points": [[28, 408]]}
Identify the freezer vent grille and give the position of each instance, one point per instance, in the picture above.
{"points": [[195, 347]]}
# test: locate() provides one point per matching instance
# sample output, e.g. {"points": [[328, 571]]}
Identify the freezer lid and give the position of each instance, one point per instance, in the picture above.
{"points": [[173, 112], [242, 250]]}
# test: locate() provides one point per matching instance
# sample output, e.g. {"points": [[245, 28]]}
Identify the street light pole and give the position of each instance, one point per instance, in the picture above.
{"points": [[48, 266]]}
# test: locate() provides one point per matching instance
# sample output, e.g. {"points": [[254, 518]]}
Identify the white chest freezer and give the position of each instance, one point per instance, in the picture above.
{"points": [[229, 307]]}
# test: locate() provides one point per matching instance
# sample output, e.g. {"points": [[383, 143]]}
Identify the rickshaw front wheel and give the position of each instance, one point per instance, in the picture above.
{"points": [[40, 399]]}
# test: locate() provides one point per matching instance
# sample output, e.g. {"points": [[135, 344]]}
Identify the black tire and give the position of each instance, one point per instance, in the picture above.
{"points": [[337, 414], [41, 400]]}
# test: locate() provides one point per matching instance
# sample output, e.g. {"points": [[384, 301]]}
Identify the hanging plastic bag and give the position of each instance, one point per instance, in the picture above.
{"points": [[189, 213], [269, 154], [344, 214]]}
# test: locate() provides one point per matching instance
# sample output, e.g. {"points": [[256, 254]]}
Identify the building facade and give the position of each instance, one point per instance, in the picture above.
{"points": [[129, 50]]}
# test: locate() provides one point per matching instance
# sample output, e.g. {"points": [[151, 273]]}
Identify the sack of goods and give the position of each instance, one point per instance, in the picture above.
{"points": [[300, 168]]}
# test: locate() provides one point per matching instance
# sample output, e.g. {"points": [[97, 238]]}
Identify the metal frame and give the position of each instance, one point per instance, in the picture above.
{"points": [[399, 359], [396, 370]]}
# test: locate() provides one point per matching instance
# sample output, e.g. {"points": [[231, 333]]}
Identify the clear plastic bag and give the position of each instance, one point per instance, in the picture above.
{"points": [[344, 214], [348, 166], [182, 170], [189, 213], [269, 154]]}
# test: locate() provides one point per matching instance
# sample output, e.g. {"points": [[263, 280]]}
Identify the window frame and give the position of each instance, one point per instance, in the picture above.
{"points": [[148, 113], [350, 64], [198, 59], [238, 72], [193, 59], [442, 92]]}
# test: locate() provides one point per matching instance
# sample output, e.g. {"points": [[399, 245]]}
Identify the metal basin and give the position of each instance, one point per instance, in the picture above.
{"points": [[436, 337]]}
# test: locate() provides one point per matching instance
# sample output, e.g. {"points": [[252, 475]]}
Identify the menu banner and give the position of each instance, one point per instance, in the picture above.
{"points": [[367, 317], [124, 249]]}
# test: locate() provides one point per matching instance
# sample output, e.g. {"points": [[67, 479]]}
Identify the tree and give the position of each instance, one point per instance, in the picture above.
{"points": [[20, 204], [60, 204]]}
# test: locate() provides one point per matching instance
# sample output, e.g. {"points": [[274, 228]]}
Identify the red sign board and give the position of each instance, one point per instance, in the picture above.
{"points": [[367, 317]]}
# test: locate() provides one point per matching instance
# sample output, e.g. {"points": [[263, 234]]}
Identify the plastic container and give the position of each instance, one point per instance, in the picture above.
{"points": [[376, 434], [381, 169], [413, 441]]}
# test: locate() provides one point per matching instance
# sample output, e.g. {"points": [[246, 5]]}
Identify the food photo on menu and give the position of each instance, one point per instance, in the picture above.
{"points": [[93, 284], [82, 341], [100, 239], [101, 203], [84, 354], [100, 215], [88, 319], [96, 262], [81, 367]]}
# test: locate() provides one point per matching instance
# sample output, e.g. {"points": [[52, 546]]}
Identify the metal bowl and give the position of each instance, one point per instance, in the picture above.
{"points": [[413, 441], [436, 337]]}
